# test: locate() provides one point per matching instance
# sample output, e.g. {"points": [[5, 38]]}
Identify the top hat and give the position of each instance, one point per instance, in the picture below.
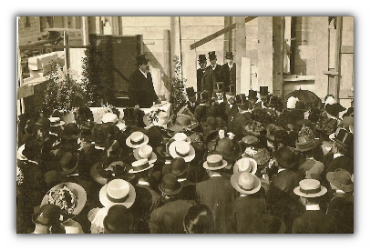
{"points": [[178, 167], [203, 96], [334, 109], [170, 185], [190, 92], [218, 87], [48, 215], [129, 116], [141, 59], [252, 95], [285, 157], [202, 58], [264, 90], [117, 192], [245, 183], [231, 90], [118, 220], [241, 101], [229, 55], [212, 55], [272, 101], [71, 131], [341, 179], [344, 138], [310, 188]]}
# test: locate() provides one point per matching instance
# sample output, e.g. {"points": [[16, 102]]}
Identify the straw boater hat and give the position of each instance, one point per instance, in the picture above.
{"points": [[181, 137], [245, 164], [140, 166], [77, 190], [310, 188], [117, 192], [245, 183], [56, 122], [214, 162], [170, 185], [341, 179], [137, 139], [145, 151], [182, 149]]}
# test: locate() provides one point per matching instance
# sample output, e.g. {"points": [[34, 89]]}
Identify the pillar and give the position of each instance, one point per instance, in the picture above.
{"points": [[240, 50], [265, 52]]}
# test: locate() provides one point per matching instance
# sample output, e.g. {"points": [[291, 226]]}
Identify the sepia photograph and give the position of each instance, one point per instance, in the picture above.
{"points": [[185, 124]]}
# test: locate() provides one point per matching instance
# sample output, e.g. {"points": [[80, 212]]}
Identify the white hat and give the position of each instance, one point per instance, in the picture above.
{"points": [[109, 117], [145, 151], [182, 149], [245, 164], [245, 183], [214, 162], [330, 100], [55, 122], [117, 192], [291, 102], [181, 137], [140, 166], [137, 139], [310, 188]]}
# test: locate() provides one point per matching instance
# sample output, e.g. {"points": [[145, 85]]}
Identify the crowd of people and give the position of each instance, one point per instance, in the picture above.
{"points": [[226, 163]]}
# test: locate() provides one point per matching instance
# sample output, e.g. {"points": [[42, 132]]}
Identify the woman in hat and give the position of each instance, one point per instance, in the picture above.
{"points": [[141, 90]]}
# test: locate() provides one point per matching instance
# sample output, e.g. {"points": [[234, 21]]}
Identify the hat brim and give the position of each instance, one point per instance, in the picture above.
{"points": [[346, 188], [77, 189], [96, 176], [234, 182], [170, 193], [188, 158], [132, 171], [307, 146], [252, 161], [153, 158], [298, 192], [206, 166], [128, 142], [107, 203]]}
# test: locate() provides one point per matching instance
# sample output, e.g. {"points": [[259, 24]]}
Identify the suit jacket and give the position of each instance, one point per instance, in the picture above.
{"points": [[341, 212], [332, 164], [236, 126], [218, 194], [192, 108], [200, 73], [141, 90], [231, 112], [218, 72], [169, 218], [312, 222], [247, 211], [229, 75], [208, 80]]}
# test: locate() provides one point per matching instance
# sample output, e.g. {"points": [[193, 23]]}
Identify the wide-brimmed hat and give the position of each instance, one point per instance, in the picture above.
{"points": [[306, 143], [341, 179], [344, 138], [264, 90], [218, 87], [285, 157], [230, 149], [182, 149], [245, 183], [141, 59], [145, 151], [140, 166], [245, 164], [118, 220], [212, 55], [71, 131], [252, 95], [170, 185], [181, 137], [67, 161], [79, 194], [253, 127], [310, 188], [190, 92], [117, 192], [178, 167], [229, 55], [137, 139], [260, 154], [56, 122], [214, 162], [334, 109], [183, 123], [202, 58], [48, 215]]}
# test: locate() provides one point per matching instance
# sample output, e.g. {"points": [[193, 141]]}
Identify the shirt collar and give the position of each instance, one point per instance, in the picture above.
{"points": [[143, 183], [336, 155], [339, 191], [313, 207], [181, 180], [144, 73], [281, 169]]}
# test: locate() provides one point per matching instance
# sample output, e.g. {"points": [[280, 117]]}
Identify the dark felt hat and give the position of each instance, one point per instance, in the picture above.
{"points": [[212, 55], [31, 149], [231, 90], [190, 92], [229, 55], [118, 220], [178, 167], [218, 87], [170, 185], [252, 95], [341, 179], [344, 138], [334, 109], [278, 135], [141, 59], [48, 215], [202, 58], [285, 157], [264, 90], [43, 123], [71, 131]]}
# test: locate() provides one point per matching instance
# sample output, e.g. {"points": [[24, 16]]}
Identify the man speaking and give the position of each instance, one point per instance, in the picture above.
{"points": [[141, 90]]}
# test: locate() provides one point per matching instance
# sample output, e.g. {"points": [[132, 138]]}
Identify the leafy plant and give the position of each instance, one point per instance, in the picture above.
{"points": [[178, 90], [153, 115]]}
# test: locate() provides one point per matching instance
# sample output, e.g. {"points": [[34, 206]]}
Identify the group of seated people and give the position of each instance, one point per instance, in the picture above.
{"points": [[224, 163]]}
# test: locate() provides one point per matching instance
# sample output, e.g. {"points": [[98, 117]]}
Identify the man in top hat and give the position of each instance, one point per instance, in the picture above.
{"points": [[229, 70], [231, 109], [168, 219], [192, 102], [252, 99], [200, 72], [208, 80], [141, 90], [217, 193], [313, 220], [244, 115], [217, 68], [264, 96], [340, 208]]}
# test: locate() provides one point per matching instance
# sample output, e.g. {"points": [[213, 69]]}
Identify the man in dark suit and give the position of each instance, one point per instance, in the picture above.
{"points": [[218, 194], [313, 220], [229, 70], [231, 109], [141, 90], [200, 72], [217, 68], [236, 126], [192, 102]]}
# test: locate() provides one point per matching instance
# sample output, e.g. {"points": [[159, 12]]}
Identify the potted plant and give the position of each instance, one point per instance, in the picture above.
{"points": [[178, 94]]}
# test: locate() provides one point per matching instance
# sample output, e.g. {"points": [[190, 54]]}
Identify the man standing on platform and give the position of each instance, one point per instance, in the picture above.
{"points": [[217, 68], [200, 72], [141, 90], [229, 70]]}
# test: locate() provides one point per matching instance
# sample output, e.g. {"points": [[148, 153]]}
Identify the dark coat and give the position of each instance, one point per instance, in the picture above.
{"points": [[341, 212], [200, 73], [236, 126], [312, 222], [168, 219], [229, 75], [247, 211], [208, 81], [332, 164], [192, 108], [141, 90], [218, 194], [218, 73], [231, 111]]}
